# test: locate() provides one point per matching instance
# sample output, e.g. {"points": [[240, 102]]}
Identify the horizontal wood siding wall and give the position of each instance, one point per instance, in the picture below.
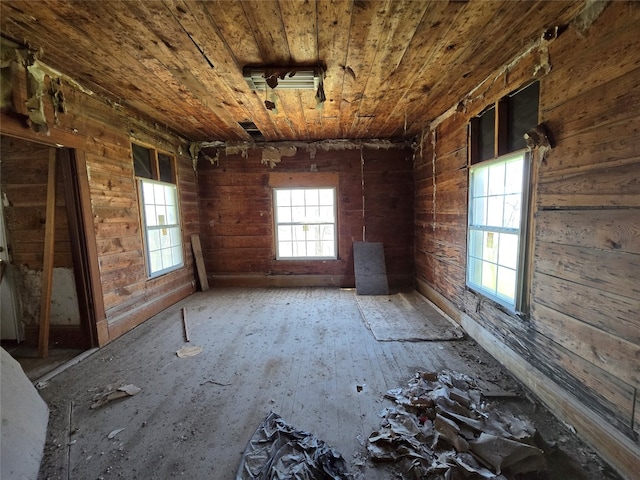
{"points": [[583, 333], [236, 215], [101, 135]]}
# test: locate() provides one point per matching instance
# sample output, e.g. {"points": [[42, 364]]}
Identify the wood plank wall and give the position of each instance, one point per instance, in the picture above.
{"points": [[236, 215], [101, 135], [583, 334]]}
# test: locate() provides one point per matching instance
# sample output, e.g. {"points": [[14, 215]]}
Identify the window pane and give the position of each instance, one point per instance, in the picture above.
{"points": [[283, 198], [176, 253], [311, 196], [297, 197], [475, 243], [490, 246], [328, 233], [164, 168], [155, 261], [506, 287], [172, 215], [298, 214], [285, 249], [326, 214], [522, 115], [489, 276], [147, 192], [479, 211], [496, 179], [298, 232], [313, 214], [165, 238], [487, 128], [480, 182], [176, 238], [513, 180], [284, 214], [150, 215], [512, 211], [475, 272], [158, 192], [508, 253], [284, 233], [153, 238], [313, 232], [494, 211], [141, 161], [299, 249], [326, 196], [328, 249]]}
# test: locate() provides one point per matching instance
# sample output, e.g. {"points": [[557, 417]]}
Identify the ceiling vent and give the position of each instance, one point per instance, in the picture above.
{"points": [[300, 78]]}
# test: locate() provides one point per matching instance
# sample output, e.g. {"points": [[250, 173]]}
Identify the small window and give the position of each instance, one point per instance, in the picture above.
{"points": [[160, 212], [305, 223], [499, 199]]}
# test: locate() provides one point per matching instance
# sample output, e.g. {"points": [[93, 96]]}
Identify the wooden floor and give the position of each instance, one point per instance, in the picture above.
{"points": [[305, 354]]}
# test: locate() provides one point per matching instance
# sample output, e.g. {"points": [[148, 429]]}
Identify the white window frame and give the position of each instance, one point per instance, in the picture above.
{"points": [[302, 223], [480, 224], [162, 230]]}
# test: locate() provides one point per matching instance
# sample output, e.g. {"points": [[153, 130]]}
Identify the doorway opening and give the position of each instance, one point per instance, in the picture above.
{"points": [[25, 171]]}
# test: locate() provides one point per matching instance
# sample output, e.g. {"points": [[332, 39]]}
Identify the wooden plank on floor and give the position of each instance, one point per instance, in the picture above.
{"points": [[197, 253]]}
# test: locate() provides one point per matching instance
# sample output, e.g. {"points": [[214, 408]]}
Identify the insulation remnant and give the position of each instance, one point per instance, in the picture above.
{"points": [[57, 98], [590, 13], [442, 428], [538, 139], [35, 105], [273, 155]]}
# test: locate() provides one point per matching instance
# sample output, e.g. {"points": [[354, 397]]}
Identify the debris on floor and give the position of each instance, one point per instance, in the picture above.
{"points": [[113, 391], [278, 451], [442, 427], [185, 352]]}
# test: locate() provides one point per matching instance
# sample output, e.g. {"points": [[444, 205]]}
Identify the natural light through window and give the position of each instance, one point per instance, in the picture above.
{"points": [[162, 226], [495, 220], [305, 223]]}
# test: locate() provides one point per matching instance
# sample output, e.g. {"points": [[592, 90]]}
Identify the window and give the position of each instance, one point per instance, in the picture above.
{"points": [[305, 223], [499, 199], [160, 213]]}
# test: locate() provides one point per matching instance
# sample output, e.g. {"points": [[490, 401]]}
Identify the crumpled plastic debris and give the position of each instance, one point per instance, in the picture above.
{"points": [[442, 428], [278, 451]]}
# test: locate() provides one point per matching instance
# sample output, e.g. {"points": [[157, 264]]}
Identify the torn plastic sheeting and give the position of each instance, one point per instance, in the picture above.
{"points": [[459, 434], [278, 451]]}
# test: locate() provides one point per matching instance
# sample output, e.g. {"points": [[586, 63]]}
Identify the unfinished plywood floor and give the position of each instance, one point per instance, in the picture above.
{"points": [[305, 354]]}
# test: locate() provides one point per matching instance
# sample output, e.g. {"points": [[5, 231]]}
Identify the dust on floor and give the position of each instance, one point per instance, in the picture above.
{"points": [[305, 354]]}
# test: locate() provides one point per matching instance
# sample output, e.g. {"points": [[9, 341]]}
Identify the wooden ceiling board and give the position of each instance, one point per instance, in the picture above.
{"points": [[333, 41], [392, 66]]}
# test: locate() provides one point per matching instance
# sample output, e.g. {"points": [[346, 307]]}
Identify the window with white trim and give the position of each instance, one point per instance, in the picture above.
{"points": [[160, 213], [499, 193], [495, 227], [305, 221]]}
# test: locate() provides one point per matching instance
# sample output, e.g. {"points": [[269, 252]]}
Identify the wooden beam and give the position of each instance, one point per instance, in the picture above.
{"points": [[47, 267], [197, 253]]}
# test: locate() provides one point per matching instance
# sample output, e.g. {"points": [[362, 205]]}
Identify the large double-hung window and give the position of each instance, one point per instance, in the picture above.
{"points": [[159, 204], [305, 223], [499, 199]]}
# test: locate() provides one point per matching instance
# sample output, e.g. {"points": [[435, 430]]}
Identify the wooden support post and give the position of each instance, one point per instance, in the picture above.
{"points": [[47, 265], [197, 253]]}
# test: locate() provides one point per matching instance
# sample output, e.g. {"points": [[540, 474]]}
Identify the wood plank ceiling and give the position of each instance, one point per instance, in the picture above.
{"points": [[390, 66]]}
